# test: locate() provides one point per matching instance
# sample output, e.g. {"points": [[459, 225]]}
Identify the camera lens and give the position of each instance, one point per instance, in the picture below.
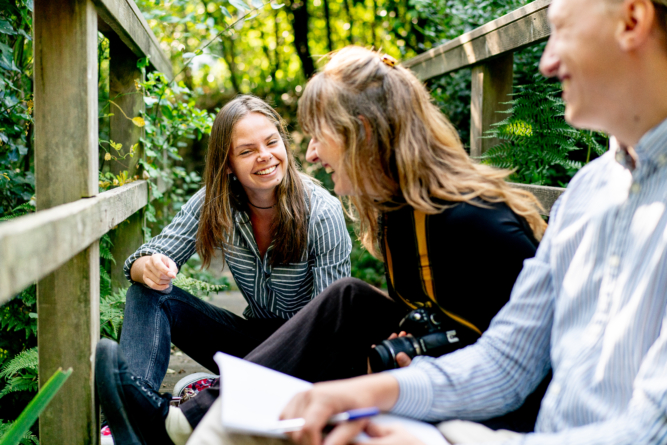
{"points": [[383, 356]]}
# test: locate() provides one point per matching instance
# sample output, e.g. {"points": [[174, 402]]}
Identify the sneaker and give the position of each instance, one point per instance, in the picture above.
{"points": [[105, 433], [189, 386], [135, 412]]}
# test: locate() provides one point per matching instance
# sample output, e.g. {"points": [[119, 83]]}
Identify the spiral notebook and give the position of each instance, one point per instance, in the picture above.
{"points": [[253, 397]]}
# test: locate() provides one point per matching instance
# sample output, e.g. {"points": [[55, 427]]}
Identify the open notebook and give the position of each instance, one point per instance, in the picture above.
{"points": [[253, 397]]}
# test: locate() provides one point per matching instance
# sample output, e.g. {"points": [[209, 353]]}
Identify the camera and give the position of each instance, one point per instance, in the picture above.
{"points": [[429, 334]]}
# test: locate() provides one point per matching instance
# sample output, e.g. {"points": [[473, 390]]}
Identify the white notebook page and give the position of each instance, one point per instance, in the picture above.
{"points": [[253, 397]]}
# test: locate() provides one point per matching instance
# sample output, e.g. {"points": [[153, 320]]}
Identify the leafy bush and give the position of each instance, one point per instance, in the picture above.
{"points": [[538, 144]]}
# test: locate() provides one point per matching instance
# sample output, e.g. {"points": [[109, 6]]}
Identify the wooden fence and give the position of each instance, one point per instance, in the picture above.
{"points": [[489, 51], [58, 246]]}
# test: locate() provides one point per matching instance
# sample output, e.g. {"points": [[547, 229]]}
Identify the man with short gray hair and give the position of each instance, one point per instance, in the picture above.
{"points": [[592, 304]]}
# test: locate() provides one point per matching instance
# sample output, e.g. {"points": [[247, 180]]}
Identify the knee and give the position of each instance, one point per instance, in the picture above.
{"points": [[350, 291]]}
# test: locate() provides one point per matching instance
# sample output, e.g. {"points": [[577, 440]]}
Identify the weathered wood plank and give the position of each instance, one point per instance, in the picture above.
{"points": [[123, 72], [546, 195], [66, 170], [35, 245], [514, 31], [125, 19], [490, 91]]}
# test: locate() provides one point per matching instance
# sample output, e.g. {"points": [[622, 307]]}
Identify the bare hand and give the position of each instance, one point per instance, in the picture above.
{"points": [[402, 359], [390, 435], [316, 405], [158, 271]]}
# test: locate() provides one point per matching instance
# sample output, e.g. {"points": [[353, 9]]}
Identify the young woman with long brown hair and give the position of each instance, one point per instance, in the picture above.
{"points": [[282, 236], [453, 234]]}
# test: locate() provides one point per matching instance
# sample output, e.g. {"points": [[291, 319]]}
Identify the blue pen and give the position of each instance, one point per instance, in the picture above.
{"points": [[290, 425]]}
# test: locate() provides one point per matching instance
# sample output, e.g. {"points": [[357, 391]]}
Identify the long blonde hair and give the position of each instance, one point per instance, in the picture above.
{"points": [[223, 195], [398, 144]]}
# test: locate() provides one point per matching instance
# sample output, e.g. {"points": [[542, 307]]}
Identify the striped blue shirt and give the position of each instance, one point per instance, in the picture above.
{"points": [[271, 292], [591, 304]]}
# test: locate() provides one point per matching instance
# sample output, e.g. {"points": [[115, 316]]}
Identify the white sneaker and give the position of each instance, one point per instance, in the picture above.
{"points": [[190, 385]]}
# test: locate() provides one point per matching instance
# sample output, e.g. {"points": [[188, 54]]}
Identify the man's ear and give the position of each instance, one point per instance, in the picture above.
{"points": [[637, 20]]}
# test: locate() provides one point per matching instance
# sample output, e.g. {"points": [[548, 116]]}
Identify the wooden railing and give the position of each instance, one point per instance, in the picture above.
{"points": [[58, 246], [489, 51]]}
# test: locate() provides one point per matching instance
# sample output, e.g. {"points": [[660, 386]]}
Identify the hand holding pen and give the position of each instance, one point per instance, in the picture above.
{"points": [[292, 425]]}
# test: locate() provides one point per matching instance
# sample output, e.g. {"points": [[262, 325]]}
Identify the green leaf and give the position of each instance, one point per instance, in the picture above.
{"points": [[257, 3], [226, 12], [35, 408], [276, 6], [6, 28], [240, 5], [143, 62]]}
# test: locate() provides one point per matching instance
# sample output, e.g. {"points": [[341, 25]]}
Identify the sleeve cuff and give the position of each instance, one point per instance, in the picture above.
{"points": [[415, 396]]}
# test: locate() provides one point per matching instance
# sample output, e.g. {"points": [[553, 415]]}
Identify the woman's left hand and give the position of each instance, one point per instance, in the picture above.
{"points": [[402, 359], [390, 435]]}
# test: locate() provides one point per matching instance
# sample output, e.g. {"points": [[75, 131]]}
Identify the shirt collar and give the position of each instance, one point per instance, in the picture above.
{"points": [[651, 150]]}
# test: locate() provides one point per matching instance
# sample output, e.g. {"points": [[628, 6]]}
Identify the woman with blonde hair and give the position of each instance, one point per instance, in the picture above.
{"points": [[453, 234]]}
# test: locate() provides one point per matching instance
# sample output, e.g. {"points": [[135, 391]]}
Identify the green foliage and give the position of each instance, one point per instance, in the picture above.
{"points": [[28, 437], [20, 373], [538, 144], [198, 282], [21, 428], [364, 265], [112, 308], [17, 181]]}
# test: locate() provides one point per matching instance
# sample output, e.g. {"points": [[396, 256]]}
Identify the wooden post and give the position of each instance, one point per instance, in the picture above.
{"points": [[123, 72], [491, 85], [66, 166]]}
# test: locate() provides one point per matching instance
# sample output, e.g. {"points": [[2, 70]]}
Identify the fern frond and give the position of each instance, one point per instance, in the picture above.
{"points": [[25, 361]]}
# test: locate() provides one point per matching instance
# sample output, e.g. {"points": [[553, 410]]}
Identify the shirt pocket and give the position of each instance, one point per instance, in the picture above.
{"points": [[292, 285]]}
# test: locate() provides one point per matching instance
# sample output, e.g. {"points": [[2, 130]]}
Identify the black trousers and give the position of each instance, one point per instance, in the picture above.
{"points": [[328, 339]]}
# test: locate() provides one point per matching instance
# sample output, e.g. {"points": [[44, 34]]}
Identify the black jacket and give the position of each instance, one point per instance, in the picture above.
{"points": [[465, 258]]}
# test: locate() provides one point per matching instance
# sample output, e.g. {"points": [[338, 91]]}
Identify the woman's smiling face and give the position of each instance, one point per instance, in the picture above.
{"points": [[330, 155], [258, 156]]}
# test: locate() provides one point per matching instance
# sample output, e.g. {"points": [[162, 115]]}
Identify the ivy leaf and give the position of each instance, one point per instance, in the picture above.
{"points": [[240, 5], [226, 12], [166, 112]]}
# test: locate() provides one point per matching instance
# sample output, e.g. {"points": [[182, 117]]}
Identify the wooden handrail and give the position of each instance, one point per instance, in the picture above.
{"points": [[521, 28], [125, 19], [546, 195], [35, 245]]}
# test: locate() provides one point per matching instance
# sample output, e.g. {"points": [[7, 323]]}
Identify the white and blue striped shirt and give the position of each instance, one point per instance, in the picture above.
{"points": [[591, 304], [271, 292]]}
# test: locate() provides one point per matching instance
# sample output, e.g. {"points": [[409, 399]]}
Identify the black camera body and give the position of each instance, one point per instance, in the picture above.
{"points": [[429, 334]]}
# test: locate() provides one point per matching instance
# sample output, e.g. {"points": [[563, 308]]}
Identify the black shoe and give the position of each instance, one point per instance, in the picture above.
{"points": [[136, 412]]}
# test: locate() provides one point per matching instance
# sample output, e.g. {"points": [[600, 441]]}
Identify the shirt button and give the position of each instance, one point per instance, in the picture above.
{"points": [[635, 188], [555, 389], [614, 261]]}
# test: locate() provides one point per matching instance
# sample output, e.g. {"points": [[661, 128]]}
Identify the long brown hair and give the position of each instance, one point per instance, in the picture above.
{"points": [[223, 195], [398, 144]]}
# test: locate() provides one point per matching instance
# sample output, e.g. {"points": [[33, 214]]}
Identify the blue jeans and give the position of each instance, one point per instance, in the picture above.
{"points": [[153, 321]]}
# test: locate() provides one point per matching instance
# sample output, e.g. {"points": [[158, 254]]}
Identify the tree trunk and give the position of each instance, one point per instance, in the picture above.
{"points": [[374, 25], [325, 3], [300, 26], [228, 56], [350, 20]]}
